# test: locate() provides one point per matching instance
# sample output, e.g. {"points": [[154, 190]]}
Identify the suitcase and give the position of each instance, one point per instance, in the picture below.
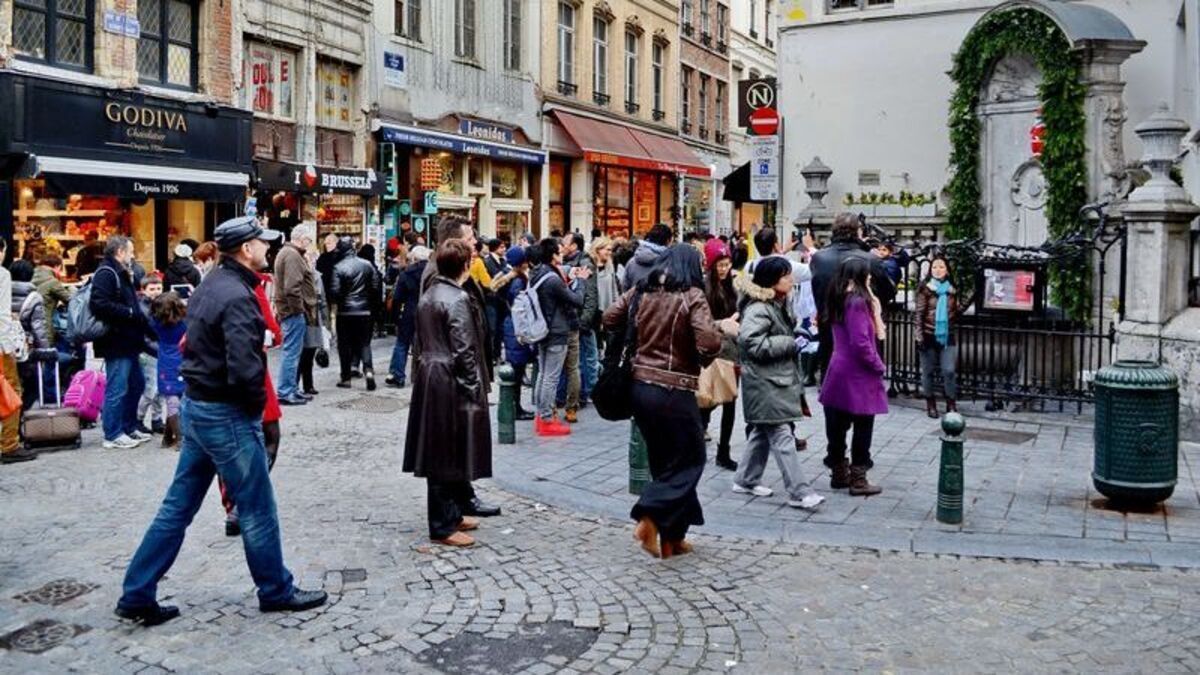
{"points": [[45, 427], [86, 394]]}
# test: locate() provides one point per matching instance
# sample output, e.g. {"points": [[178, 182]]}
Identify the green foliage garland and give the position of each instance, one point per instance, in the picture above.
{"points": [[1063, 159]]}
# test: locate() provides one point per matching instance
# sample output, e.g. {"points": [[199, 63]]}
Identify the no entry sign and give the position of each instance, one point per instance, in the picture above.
{"points": [[764, 122]]}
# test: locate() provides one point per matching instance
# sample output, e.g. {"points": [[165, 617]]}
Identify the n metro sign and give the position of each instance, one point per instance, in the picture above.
{"points": [[755, 94]]}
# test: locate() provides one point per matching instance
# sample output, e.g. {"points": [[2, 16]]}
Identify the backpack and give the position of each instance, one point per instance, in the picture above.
{"points": [[529, 324], [82, 324]]}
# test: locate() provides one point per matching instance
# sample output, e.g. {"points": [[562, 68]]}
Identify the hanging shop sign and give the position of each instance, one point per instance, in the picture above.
{"points": [[460, 144], [307, 178]]}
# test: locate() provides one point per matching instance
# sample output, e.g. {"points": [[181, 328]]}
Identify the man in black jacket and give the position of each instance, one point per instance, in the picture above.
{"points": [[114, 301], [224, 366], [355, 288], [846, 243]]}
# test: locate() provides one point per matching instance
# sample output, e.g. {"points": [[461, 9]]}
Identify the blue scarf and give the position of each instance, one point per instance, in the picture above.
{"points": [[941, 323]]}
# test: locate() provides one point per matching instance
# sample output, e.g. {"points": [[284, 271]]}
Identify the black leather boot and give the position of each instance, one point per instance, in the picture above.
{"points": [[723, 459], [931, 408]]}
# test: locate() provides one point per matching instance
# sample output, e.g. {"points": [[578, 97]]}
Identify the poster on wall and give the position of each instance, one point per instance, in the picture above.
{"points": [[333, 100], [269, 75]]}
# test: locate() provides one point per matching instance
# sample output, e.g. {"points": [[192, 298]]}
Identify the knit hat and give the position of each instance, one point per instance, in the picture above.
{"points": [[419, 254], [714, 250], [515, 256]]}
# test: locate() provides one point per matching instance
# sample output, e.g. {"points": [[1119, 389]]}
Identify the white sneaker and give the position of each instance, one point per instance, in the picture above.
{"points": [[121, 442], [808, 502], [757, 490], [139, 437]]}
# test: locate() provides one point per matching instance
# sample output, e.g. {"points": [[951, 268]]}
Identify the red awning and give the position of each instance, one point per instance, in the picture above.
{"points": [[621, 145]]}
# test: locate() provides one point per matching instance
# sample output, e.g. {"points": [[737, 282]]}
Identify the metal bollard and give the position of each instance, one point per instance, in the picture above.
{"points": [[506, 411], [639, 461], [950, 475]]}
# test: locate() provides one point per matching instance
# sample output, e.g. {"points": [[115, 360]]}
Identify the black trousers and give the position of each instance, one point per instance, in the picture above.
{"points": [[670, 423], [306, 367], [446, 501], [728, 417], [519, 373], [354, 343], [837, 424]]}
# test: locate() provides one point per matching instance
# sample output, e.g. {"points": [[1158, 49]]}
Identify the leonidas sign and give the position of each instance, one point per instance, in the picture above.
{"points": [[318, 179]]}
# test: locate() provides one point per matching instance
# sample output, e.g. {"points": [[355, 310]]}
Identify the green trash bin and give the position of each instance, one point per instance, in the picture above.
{"points": [[1136, 432]]}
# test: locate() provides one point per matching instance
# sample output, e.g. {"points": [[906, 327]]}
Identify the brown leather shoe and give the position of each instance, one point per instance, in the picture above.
{"points": [[647, 533], [839, 476], [674, 548], [572, 416], [859, 485], [468, 523], [457, 539]]}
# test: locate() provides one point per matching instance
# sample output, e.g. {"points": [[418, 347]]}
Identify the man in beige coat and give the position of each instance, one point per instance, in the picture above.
{"points": [[296, 308]]}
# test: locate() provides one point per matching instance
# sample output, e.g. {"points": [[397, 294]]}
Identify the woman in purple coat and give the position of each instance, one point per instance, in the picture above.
{"points": [[852, 392]]}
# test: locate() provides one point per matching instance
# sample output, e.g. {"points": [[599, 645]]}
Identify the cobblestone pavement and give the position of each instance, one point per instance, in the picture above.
{"points": [[547, 589], [1028, 491]]}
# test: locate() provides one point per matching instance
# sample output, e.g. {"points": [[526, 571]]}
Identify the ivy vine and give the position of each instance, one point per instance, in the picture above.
{"points": [[1064, 162]]}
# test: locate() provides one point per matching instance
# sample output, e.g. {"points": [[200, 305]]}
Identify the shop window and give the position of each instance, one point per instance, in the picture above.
{"points": [[566, 48], [464, 29], [45, 223], [450, 181], [560, 196], [476, 175], [166, 50], [512, 34], [335, 95], [267, 81], [507, 180], [58, 32], [666, 199], [511, 225], [336, 214], [408, 19]]}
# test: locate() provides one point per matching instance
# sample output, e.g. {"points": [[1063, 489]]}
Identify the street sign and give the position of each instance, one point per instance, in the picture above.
{"points": [[764, 168], [755, 94], [764, 189], [431, 202], [764, 122]]}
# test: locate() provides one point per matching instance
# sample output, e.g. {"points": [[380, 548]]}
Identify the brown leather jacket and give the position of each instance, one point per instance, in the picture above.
{"points": [[925, 315], [676, 336]]}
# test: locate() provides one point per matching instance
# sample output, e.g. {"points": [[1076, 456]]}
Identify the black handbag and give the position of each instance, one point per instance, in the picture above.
{"points": [[613, 392]]}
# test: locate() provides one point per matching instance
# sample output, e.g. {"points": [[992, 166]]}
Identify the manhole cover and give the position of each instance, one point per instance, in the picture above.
{"points": [[373, 404], [56, 592], [1001, 436], [473, 654], [40, 636]]}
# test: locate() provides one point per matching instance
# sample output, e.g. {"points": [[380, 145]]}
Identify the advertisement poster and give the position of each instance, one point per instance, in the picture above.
{"points": [[1009, 289], [333, 99]]}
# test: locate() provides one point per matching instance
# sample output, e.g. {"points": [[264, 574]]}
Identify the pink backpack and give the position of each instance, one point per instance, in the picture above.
{"points": [[86, 394]]}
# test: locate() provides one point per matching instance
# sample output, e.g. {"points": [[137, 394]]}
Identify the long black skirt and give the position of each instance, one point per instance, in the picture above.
{"points": [[670, 422]]}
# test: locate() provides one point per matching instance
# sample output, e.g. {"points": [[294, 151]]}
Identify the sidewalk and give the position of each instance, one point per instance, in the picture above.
{"points": [[1028, 491]]}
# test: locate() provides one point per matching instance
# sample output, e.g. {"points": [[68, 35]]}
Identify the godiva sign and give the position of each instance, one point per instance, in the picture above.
{"points": [[50, 117]]}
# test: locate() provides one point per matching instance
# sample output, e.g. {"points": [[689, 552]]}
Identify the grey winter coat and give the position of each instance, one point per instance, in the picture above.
{"points": [[639, 266], [560, 303], [772, 383], [27, 305]]}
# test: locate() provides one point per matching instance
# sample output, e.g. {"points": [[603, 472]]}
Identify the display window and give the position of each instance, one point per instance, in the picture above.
{"points": [[697, 206], [336, 214], [630, 201], [559, 196], [511, 225], [44, 223], [507, 180]]}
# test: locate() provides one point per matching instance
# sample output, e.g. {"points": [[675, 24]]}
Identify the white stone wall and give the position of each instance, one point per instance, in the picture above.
{"points": [[868, 90]]}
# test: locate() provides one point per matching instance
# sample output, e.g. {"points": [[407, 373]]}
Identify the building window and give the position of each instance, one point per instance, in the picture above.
{"points": [[631, 68], [58, 32], [408, 19], [685, 99], [335, 94], [753, 18], [600, 56], [685, 16], [656, 69], [267, 80], [753, 74], [719, 123], [835, 5], [166, 50], [566, 44], [705, 23], [722, 24], [703, 105], [464, 28], [768, 30], [512, 34]]}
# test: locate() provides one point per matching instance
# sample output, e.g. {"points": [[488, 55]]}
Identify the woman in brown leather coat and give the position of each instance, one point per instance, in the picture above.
{"points": [[449, 439], [676, 336], [936, 318]]}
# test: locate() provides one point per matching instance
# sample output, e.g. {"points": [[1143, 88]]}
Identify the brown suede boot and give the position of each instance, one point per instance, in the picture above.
{"points": [[931, 407], [859, 486], [171, 435], [839, 476], [646, 532]]}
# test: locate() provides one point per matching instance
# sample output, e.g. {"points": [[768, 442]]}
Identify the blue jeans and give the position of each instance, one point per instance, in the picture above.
{"points": [[294, 330], [589, 363], [218, 438], [124, 383], [399, 359]]}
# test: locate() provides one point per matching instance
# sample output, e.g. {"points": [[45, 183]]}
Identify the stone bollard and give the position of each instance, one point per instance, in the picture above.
{"points": [[506, 410], [639, 462], [950, 475]]}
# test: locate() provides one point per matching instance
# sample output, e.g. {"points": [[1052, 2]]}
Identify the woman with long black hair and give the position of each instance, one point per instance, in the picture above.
{"points": [[722, 302], [853, 392], [936, 317], [675, 336]]}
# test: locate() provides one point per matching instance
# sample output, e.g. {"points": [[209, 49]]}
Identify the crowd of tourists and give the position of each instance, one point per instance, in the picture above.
{"points": [[705, 323]]}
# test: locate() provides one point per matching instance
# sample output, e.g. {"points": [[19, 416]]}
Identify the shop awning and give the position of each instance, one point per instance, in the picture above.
{"points": [[67, 175], [737, 186], [466, 145], [621, 145]]}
